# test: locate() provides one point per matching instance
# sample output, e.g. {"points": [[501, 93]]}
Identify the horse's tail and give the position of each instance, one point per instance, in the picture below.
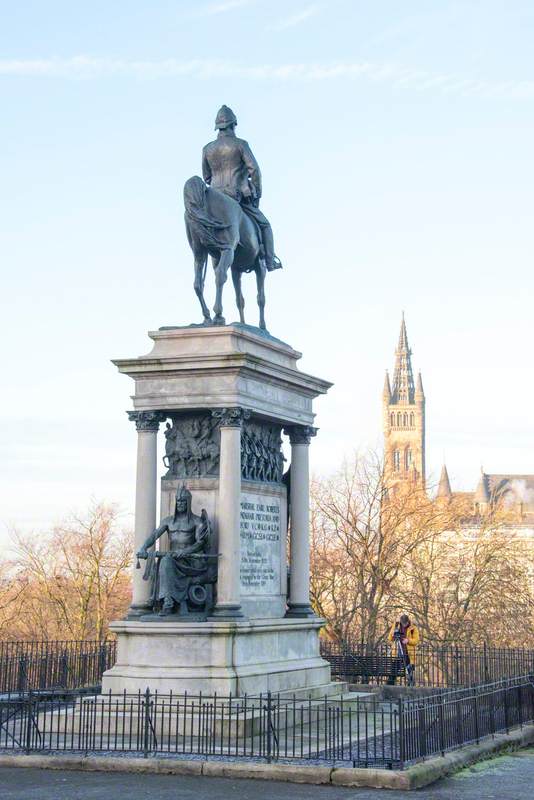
{"points": [[208, 229]]}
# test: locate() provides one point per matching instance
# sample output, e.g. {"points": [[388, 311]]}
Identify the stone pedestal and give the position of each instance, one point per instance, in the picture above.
{"points": [[223, 656], [228, 393]]}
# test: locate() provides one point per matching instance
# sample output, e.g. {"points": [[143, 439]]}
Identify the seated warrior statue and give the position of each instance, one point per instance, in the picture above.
{"points": [[228, 165], [186, 564]]}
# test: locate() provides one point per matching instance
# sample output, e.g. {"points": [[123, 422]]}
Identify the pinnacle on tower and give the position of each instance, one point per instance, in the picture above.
{"points": [[419, 391], [482, 494], [444, 487], [387, 388], [403, 384]]}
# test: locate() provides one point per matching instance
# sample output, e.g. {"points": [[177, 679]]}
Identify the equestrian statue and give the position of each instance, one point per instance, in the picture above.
{"points": [[223, 219]]}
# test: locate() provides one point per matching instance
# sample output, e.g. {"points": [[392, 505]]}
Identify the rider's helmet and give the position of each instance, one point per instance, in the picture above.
{"points": [[225, 117]]}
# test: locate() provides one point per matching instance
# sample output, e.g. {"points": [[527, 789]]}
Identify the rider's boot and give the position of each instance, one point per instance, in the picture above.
{"points": [[271, 261]]}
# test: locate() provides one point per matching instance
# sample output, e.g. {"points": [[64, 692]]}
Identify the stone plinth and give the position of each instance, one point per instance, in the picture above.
{"points": [[227, 395], [218, 367], [242, 657]]}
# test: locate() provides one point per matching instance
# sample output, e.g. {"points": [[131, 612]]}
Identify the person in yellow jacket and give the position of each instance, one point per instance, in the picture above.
{"points": [[404, 638]]}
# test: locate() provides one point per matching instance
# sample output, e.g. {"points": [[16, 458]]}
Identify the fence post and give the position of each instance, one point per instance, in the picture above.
{"points": [[29, 718], [477, 729], [492, 713], [457, 665], [64, 669], [102, 666], [422, 731], [269, 724], [402, 743], [441, 726], [23, 673], [146, 726], [506, 717], [486, 671]]}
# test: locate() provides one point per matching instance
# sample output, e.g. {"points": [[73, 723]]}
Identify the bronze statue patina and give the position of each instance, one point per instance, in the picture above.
{"points": [[223, 219], [180, 576]]}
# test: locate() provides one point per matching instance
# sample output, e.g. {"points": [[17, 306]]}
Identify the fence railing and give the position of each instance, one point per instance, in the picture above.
{"points": [[266, 727], [344, 731], [448, 720], [26, 666], [434, 666]]}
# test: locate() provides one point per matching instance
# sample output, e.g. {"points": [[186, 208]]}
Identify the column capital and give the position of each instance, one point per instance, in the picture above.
{"points": [[300, 434], [231, 417], [147, 420]]}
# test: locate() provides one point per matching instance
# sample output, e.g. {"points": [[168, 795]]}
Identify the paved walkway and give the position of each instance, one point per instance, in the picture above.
{"points": [[509, 777]]}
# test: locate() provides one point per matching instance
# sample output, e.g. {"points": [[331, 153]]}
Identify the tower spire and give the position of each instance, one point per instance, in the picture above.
{"points": [[403, 383], [403, 415], [444, 488]]}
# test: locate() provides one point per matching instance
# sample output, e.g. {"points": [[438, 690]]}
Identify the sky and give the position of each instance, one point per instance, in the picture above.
{"points": [[395, 142]]}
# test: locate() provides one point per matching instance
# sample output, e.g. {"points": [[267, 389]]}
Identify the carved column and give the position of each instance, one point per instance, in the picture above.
{"points": [[228, 581], [147, 424], [299, 543]]}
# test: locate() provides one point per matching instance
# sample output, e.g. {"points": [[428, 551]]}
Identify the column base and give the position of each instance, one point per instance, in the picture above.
{"points": [[300, 610], [226, 611]]}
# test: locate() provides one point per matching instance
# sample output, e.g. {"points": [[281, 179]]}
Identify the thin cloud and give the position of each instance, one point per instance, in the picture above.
{"points": [[296, 19], [87, 67], [221, 8]]}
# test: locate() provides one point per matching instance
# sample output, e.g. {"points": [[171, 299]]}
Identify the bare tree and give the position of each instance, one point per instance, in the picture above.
{"points": [[76, 577], [378, 549], [363, 533], [11, 597], [470, 584]]}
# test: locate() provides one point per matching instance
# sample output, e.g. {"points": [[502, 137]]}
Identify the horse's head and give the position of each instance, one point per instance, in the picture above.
{"points": [[194, 193]]}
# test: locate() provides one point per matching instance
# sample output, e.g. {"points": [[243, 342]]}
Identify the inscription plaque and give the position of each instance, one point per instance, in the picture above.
{"points": [[260, 544]]}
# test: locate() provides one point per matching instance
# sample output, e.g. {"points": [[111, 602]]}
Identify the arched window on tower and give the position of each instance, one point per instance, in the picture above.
{"points": [[396, 460], [407, 459], [398, 419], [405, 420], [392, 419], [412, 420]]}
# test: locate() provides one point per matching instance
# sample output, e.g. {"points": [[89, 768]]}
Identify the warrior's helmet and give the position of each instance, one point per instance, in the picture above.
{"points": [[184, 494], [225, 117]]}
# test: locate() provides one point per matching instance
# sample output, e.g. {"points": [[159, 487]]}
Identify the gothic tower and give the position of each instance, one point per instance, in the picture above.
{"points": [[403, 409]]}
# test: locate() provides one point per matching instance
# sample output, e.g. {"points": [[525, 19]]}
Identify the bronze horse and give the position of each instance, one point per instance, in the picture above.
{"points": [[216, 225]]}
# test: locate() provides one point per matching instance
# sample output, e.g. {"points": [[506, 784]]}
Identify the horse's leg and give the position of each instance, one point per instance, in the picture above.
{"points": [[240, 300], [260, 280], [221, 274], [200, 264]]}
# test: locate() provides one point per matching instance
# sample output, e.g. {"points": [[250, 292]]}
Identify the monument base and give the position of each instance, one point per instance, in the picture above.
{"points": [[235, 657]]}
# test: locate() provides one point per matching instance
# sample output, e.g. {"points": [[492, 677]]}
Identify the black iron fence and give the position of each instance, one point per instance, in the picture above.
{"points": [[445, 666], [32, 666], [26, 666], [267, 728], [346, 731], [451, 719]]}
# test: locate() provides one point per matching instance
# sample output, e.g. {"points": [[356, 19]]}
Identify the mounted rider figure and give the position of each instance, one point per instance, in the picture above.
{"points": [[228, 164]]}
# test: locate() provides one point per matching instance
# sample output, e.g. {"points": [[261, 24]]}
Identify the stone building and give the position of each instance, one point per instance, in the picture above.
{"points": [[403, 407], [514, 493]]}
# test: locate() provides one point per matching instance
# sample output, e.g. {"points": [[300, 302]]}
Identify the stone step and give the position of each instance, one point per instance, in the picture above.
{"points": [[355, 698], [329, 690]]}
